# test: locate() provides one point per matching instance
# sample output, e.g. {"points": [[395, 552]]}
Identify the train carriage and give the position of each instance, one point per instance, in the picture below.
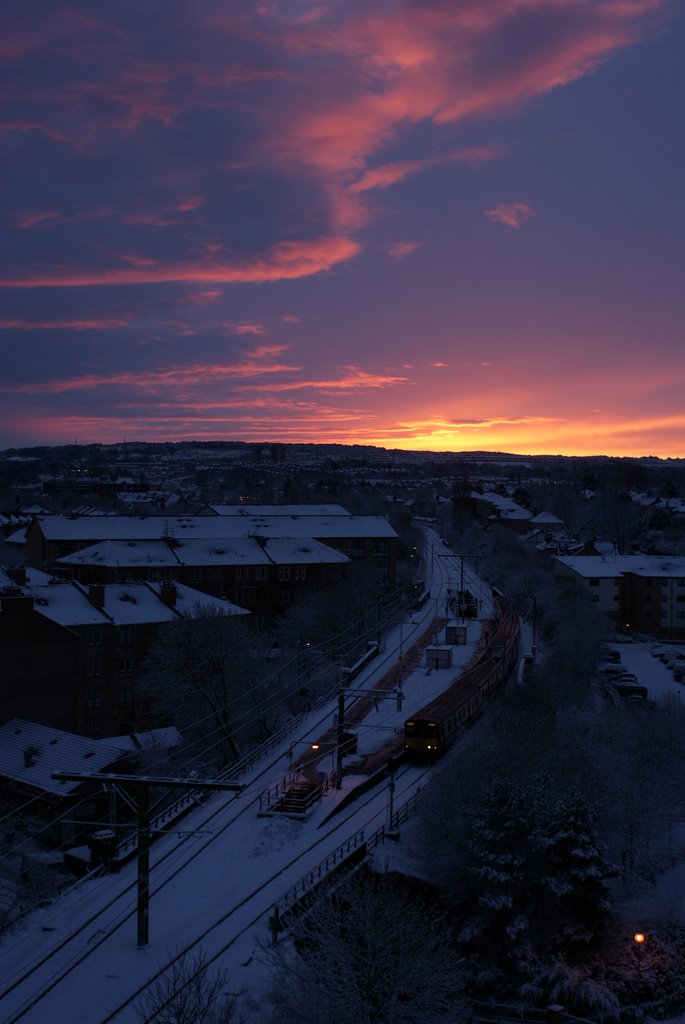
{"points": [[429, 732]]}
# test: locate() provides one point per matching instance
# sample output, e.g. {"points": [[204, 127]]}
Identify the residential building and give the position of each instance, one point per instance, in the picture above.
{"points": [[640, 593], [72, 654]]}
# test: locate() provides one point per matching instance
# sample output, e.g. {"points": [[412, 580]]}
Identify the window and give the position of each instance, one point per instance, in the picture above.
{"points": [[594, 583], [94, 665], [300, 573], [260, 574], [595, 597], [125, 665], [283, 597], [283, 573], [93, 697], [125, 695], [94, 636], [242, 573], [126, 636], [94, 728]]}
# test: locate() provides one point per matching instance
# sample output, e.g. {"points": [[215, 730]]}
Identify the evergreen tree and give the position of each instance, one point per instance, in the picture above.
{"points": [[538, 882]]}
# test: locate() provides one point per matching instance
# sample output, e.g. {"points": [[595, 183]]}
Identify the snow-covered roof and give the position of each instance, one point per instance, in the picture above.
{"points": [[121, 604], [30, 753], [125, 528], [287, 551], [546, 519], [33, 577], [194, 602], [504, 506], [153, 739], [18, 537], [123, 552], [66, 604], [221, 551], [277, 510], [608, 566]]}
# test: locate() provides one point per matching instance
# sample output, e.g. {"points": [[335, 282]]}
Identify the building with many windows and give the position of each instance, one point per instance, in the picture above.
{"points": [[71, 654], [640, 593], [259, 557]]}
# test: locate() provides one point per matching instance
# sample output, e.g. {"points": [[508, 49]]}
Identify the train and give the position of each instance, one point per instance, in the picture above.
{"points": [[429, 732]]}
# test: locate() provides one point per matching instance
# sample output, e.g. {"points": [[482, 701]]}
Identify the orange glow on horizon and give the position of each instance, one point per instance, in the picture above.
{"points": [[317, 427]]}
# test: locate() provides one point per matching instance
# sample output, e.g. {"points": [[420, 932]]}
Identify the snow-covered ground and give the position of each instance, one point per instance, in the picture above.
{"points": [[637, 657], [225, 868]]}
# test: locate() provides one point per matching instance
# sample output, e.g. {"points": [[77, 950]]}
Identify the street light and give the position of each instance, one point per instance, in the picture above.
{"points": [[312, 746]]}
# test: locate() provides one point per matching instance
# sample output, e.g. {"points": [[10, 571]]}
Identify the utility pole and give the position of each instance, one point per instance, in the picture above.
{"points": [[143, 916], [142, 785], [341, 739]]}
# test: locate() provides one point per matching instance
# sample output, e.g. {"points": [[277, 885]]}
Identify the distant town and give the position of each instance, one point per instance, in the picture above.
{"points": [[182, 611]]}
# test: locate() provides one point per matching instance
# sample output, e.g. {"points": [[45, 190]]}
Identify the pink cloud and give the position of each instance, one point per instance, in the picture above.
{"points": [[38, 219], [400, 250], [191, 203], [204, 298], [6, 127], [284, 261], [389, 174], [100, 324], [352, 378], [248, 328], [149, 219], [511, 214], [150, 381]]}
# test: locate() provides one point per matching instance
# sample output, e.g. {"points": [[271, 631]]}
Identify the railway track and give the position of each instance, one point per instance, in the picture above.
{"points": [[223, 932], [31, 989]]}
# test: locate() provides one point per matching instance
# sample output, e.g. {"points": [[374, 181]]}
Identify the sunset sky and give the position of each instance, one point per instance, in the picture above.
{"points": [[421, 224]]}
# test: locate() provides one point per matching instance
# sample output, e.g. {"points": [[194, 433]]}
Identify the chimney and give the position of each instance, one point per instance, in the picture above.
{"points": [[168, 594], [18, 575], [96, 593]]}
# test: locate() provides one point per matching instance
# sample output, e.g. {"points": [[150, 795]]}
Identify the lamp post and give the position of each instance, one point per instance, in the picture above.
{"points": [[639, 940], [312, 746]]}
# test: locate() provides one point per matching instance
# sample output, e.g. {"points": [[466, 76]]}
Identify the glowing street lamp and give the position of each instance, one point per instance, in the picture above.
{"points": [[311, 746], [639, 938]]}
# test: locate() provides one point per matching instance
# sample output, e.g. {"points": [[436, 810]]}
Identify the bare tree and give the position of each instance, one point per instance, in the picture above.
{"points": [[189, 991], [373, 952], [209, 674]]}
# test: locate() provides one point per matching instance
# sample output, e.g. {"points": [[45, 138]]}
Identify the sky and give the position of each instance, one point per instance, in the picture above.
{"points": [[444, 225]]}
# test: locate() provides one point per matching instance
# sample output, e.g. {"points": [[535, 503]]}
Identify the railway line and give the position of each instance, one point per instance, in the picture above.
{"points": [[34, 989], [34, 1002]]}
